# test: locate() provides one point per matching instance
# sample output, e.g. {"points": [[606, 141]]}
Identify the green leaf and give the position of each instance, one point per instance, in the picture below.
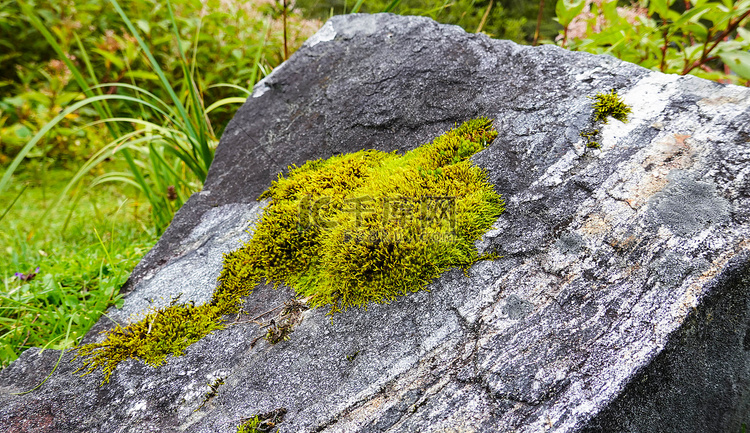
{"points": [[719, 16], [609, 9], [658, 7], [144, 25], [698, 30], [691, 15], [738, 62], [693, 52], [71, 301], [566, 10], [111, 57]]}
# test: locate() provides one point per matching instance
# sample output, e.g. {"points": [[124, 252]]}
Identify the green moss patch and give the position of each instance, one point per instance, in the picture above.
{"points": [[370, 226], [610, 105], [606, 105], [342, 232]]}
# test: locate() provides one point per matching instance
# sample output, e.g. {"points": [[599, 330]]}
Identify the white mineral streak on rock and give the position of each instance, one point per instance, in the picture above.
{"points": [[554, 174], [325, 34], [137, 407], [221, 230], [262, 86], [258, 90]]}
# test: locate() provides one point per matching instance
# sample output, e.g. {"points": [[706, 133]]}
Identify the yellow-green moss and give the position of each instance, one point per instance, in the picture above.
{"points": [[252, 425], [610, 105], [342, 232], [370, 226], [262, 423], [606, 105]]}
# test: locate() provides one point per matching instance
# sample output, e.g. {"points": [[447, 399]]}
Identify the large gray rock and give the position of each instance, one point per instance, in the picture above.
{"points": [[620, 303]]}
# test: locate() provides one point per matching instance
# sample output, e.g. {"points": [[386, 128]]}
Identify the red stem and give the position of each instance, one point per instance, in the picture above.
{"points": [[704, 57]]}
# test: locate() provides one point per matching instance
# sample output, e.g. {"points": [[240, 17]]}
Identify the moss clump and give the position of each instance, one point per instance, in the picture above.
{"points": [[346, 231], [262, 423], [370, 226], [590, 136], [610, 105], [606, 105], [167, 331], [252, 425]]}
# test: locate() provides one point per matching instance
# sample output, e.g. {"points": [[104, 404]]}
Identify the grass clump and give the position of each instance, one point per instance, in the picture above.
{"points": [[60, 272], [342, 232]]}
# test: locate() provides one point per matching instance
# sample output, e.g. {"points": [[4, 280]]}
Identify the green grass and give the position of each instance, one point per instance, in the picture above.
{"points": [[160, 80], [84, 250]]}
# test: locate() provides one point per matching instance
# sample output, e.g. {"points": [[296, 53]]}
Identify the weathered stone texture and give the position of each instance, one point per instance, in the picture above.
{"points": [[620, 303]]}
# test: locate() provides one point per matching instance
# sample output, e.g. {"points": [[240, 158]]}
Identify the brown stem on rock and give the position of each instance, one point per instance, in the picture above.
{"points": [[286, 50], [538, 23]]}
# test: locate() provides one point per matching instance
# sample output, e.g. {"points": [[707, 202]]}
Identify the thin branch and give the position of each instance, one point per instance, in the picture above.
{"points": [[484, 17], [664, 47], [538, 22]]}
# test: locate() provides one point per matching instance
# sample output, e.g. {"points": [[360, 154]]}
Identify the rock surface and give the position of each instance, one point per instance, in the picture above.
{"points": [[620, 303]]}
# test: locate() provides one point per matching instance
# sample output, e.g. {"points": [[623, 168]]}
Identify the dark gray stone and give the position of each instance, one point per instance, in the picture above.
{"points": [[620, 303]]}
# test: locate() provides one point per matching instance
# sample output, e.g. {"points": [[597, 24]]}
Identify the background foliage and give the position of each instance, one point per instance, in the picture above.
{"points": [[134, 155], [699, 37]]}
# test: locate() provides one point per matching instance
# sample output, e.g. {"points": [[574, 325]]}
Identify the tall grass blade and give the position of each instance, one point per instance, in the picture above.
{"points": [[10, 206], [392, 5], [226, 101], [356, 7], [205, 151], [46, 128], [62, 352], [155, 65], [102, 109], [234, 86]]}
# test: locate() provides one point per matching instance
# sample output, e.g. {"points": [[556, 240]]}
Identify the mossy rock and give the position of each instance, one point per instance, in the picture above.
{"points": [[342, 232], [370, 226]]}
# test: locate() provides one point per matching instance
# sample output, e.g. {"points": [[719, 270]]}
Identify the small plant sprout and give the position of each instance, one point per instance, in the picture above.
{"points": [[213, 391], [590, 137]]}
